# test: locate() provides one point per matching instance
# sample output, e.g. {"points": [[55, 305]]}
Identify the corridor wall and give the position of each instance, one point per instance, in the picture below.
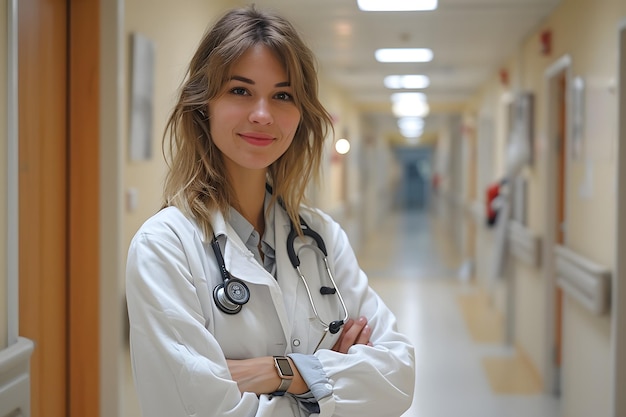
{"points": [[586, 32]]}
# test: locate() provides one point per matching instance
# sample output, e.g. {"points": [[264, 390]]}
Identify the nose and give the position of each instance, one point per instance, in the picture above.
{"points": [[261, 112]]}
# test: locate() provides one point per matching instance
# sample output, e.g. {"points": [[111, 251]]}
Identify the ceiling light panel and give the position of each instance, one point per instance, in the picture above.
{"points": [[404, 55], [408, 97], [396, 5], [406, 81]]}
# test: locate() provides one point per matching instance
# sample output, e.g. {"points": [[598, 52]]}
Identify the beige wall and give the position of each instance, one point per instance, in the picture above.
{"points": [[175, 31], [3, 177], [586, 30]]}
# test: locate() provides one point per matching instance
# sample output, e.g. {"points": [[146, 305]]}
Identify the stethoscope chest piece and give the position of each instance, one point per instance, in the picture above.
{"points": [[231, 295]]}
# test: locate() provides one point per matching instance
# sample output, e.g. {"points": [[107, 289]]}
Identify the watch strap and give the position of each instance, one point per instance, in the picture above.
{"points": [[285, 377], [284, 386]]}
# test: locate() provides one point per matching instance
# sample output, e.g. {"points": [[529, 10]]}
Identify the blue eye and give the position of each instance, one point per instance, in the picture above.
{"points": [[284, 96], [239, 91]]}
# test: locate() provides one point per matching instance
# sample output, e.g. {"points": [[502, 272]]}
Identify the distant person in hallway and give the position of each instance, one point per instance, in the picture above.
{"points": [[242, 299]]}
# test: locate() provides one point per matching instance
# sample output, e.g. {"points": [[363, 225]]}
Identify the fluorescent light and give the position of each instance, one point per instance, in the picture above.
{"points": [[396, 5], [408, 97], [417, 109], [411, 123], [406, 81], [411, 127], [409, 105], [404, 55]]}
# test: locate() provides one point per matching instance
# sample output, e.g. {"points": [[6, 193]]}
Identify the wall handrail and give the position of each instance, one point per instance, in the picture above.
{"points": [[582, 279], [524, 244]]}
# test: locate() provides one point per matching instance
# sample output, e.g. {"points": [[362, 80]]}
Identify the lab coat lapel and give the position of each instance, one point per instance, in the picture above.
{"points": [[288, 278], [240, 263]]}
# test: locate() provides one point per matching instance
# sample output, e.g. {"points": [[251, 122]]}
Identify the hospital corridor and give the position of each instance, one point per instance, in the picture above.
{"points": [[474, 163], [463, 363]]}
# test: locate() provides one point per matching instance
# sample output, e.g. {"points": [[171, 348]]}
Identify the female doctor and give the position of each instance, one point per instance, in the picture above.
{"points": [[243, 301]]}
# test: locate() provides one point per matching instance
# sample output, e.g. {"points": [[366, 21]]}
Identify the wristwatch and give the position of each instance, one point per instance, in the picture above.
{"points": [[283, 367]]}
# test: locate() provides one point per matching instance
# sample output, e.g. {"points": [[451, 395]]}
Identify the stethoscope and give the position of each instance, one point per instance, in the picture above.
{"points": [[233, 293]]}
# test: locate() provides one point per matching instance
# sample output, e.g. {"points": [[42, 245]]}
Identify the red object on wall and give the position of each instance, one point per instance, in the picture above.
{"points": [[546, 42], [493, 191], [504, 77]]}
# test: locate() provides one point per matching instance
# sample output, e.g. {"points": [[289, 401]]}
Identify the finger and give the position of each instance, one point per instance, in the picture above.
{"points": [[339, 341], [350, 335], [364, 336], [347, 326]]}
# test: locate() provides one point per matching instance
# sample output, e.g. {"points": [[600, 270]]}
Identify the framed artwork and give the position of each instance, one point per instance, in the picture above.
{"points": [[141, 97], [578, 118], [524, 120]]}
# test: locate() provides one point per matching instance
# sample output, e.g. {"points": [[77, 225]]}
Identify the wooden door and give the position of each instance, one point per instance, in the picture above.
{"points": [[83, 208], [58, 187], [560, 210], [42, 95]]}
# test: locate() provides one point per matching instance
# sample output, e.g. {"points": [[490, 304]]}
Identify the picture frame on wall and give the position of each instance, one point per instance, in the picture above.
{"points": [[141, 97], [524, 121], [578, 117]]}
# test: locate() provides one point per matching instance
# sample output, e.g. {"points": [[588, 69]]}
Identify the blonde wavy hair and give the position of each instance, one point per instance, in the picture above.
{"points": [[197, 182]]}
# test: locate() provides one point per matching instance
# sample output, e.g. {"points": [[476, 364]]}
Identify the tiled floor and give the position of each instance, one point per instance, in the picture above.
{"points": [[462, 368]]}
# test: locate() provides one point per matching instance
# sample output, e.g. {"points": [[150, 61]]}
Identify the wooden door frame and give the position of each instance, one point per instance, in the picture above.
{"points": [[618, 301], [42, 196], [563, 66], [64, 281], [84, 207]]}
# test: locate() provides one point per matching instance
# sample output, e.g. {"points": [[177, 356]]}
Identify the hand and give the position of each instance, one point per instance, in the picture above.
{"points": [[259, 376], [355, 332], [254, 375]]}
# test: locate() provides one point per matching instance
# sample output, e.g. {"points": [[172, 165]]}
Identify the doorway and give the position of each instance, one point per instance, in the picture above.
{"points": [[558, 78]]}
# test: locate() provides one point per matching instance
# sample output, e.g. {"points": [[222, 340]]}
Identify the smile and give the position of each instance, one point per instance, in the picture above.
{"points": [[257, 139]]}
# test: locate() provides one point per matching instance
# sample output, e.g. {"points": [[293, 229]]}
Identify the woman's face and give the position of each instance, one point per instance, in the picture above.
{"points": [[254, 119]]}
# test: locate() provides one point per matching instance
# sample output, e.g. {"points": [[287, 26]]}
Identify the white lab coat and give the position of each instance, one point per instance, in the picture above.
{"points": [[180, 340]]}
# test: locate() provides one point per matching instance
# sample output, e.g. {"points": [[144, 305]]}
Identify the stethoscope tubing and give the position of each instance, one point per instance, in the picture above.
{"points": [[335, 325], [233, 293]]}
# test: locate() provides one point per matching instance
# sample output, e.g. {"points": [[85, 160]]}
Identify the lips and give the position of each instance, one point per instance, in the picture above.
{"points": [[257, 138]]}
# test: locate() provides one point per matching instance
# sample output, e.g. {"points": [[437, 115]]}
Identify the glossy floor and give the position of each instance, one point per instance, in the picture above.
{"points": [[462, 367]]}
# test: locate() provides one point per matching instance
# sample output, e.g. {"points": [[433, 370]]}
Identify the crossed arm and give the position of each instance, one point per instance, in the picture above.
{"points": [[259, 376]]}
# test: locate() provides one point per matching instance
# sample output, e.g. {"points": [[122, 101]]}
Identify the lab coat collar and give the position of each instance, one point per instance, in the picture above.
{"points": [[238, 259]]}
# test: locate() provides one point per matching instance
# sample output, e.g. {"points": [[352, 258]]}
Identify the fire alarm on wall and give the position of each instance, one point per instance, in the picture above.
{"points": [[546, 42]]}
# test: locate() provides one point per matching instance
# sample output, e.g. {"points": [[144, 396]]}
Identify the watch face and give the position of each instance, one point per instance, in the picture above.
{"points": [[283, 365]]}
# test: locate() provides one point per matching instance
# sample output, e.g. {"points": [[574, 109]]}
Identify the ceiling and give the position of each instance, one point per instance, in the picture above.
{"points": [[470, 39]]}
